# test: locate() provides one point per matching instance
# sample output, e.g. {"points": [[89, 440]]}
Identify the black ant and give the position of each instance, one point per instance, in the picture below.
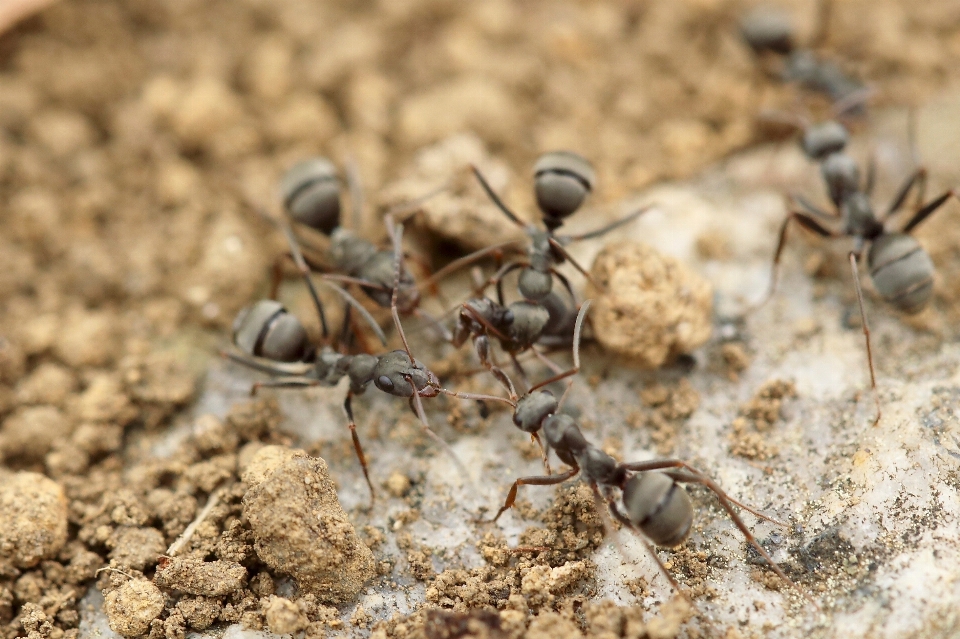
{"points": [[310, 191], [768, 31], [562, 181], [653, 503], [901, 270], [274, 341]]}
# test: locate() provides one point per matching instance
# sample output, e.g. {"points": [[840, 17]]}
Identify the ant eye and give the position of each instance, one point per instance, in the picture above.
{"points": [[508, 316], [385, 383]]}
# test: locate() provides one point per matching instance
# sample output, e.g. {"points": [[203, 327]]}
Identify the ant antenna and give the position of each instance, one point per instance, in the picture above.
{"points": [[577, 328], [496, 198], [396, 234]]}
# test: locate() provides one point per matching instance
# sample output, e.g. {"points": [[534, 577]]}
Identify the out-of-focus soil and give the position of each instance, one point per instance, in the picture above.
{"points": [[138, 140]]}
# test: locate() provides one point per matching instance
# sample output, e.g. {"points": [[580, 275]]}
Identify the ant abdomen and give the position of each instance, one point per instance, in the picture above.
{"points": [[901, 271], [267, 330], [659, 507], [766, 29], [311, 194], [820, 140], [562, 180]]}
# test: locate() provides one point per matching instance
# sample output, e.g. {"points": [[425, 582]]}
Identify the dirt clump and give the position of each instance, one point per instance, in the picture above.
{"points": [[28, 434], [461, 212], [198, 577], [33, 509], [757, 417], [284, 617], [300, 530], [667, 406], [648, 308], [132, 607]]}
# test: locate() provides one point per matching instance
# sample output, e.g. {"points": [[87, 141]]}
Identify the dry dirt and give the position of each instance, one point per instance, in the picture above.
{"points": [[139, 138]]}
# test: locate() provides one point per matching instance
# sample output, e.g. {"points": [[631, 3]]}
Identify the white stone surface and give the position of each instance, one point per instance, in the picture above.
{"points": [[890, 491]]}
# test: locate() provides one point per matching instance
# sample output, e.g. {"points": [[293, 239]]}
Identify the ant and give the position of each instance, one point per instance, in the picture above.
{"points": [[310, 191], [901, 270], [562, 182], [654, 503], [274, 341], [768, 31]]}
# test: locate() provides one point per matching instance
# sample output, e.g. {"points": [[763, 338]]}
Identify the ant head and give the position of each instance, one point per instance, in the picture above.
{"points": [[267, 330], [533, 408], [767, 29], [659, 506], [311, 194], [820, 140], [394, 374], [562, 180]]}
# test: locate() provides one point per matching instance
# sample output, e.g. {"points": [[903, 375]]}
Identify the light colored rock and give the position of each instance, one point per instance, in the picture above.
{"points": [[33, 510], [647, 307], [300, 530]]}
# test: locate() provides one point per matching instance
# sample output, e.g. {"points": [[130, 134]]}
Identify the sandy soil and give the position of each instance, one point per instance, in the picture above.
{"points": [[138, 141]]}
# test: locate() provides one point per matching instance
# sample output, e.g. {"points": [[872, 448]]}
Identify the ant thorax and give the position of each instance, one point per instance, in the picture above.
{"points": [[348, 251]]}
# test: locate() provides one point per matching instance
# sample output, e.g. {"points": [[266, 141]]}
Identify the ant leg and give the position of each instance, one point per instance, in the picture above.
{"points": [[566, 284], [418, 404], [813, 208], [498, 278], [290, 369], [544, 453], [560, 249], [904, 191], [854, 260], [482, 345], [348, 408], [807, 222], [820, 33], [929, 209], [305, 272], [536, 480], [725, 501], [345, 340], [461, 262], [288, 382], [578, 327], [276, 278], [693, 475], [396, 234], [364, 313], [522, 373], [612, 508], [626, 219]]}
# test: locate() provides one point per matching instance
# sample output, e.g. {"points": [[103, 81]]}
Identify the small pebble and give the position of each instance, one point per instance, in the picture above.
{"points": [[131, 607]]}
